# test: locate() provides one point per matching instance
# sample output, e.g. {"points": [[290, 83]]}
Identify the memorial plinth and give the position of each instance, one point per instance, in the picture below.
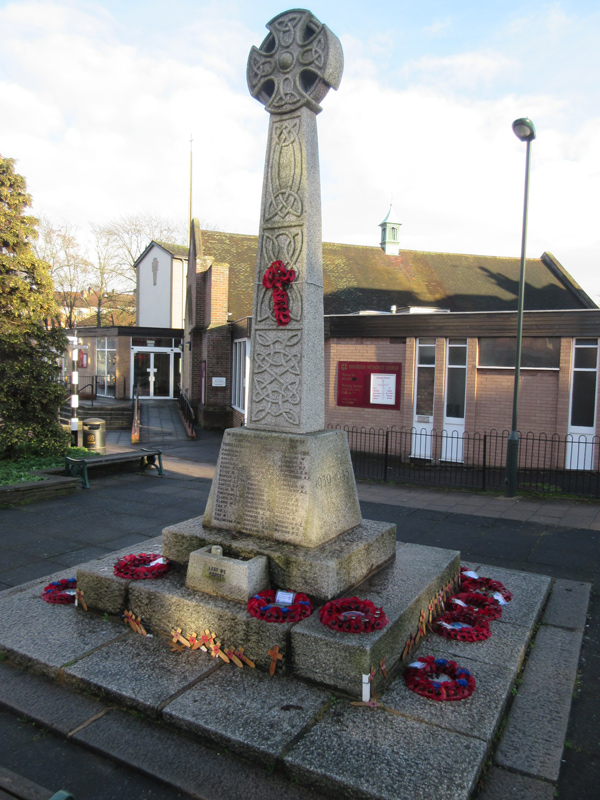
{"points": [[322, 572], [290, 488]]}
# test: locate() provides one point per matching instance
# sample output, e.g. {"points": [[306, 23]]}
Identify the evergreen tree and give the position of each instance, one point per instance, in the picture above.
{"points": [[30, 389]]}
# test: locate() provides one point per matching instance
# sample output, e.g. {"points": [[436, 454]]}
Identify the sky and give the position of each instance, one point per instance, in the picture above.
{"points": [[99, 101]]}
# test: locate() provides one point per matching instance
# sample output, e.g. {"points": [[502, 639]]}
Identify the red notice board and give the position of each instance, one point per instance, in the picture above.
{"points": [[369, 384]]}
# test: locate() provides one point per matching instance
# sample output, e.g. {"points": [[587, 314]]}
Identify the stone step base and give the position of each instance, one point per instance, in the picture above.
{"points": [[407, 748], [407, 589], [321, 572]]}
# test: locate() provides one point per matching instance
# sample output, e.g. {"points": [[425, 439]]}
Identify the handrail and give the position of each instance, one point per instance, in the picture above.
{"points": [[186, 409], [136, 416]]}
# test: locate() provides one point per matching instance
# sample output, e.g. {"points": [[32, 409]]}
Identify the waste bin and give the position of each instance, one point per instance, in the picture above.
{"points": [[94, 434]]}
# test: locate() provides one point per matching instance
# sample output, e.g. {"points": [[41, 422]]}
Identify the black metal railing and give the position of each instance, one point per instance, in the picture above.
{"points": [[548, 464], [187, 412]]}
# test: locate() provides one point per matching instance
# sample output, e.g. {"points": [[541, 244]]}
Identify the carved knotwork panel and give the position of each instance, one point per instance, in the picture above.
{"points": [[276, 376], [281, 245], [283, 201]]}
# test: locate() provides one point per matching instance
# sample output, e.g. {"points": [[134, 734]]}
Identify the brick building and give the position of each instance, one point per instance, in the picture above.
{"points": [[443, 325], [141, 350]]}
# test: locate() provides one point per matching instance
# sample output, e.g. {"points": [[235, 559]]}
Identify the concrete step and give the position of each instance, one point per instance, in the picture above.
{"points": [[405, 748]]}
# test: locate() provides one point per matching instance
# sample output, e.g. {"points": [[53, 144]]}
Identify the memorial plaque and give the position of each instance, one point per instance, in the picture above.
{"points": [[233, 578], [369, 384]]}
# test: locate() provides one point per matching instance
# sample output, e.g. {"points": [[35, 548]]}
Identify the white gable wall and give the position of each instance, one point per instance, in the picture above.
{"points": [[154, 299]]}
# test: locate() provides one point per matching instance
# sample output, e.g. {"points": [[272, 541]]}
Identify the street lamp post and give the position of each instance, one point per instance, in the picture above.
{"points": [[525, 131]]}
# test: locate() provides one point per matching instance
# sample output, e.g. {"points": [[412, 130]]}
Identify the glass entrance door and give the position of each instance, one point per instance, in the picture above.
{"points": [[141, 373], [161, 375], [152, 373]]}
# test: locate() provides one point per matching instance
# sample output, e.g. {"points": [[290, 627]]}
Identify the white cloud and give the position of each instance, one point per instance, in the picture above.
{"points": [[101, 126], [460, 71], [438, 27]]}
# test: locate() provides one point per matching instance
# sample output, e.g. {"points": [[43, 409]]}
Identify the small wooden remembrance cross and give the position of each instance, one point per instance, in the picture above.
{"points": [[275, 657]]}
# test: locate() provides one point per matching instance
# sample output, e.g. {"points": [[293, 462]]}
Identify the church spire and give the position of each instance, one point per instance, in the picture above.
{"points": [[390, 234]]}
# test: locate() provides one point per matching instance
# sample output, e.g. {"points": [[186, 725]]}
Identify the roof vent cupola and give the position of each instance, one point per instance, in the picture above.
{"points": [[390, 234]]}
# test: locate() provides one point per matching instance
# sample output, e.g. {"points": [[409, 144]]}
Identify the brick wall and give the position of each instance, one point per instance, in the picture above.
{"points": [[361, 350], [123, 380]]}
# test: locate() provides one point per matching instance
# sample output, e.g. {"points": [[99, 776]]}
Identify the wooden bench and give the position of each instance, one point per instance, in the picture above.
{"points": [[142, 457]]}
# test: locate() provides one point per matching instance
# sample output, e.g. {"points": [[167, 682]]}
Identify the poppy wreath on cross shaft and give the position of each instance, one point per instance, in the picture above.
{"points": [[62, 591], [352, 615], [262, 606], [482, 605], [142, 566], [484, 586], [462, 626], [439, 679]]}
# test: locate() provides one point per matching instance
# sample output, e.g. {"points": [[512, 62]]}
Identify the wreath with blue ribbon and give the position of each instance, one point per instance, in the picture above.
{"points": [[439, 679], [262, 606], [61, 592]]}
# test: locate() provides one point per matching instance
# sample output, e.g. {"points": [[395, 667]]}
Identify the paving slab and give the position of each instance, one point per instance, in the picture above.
{"points": [[141, 672], [44, 701], [250, 713], [48, 636], [503, 785], [478, 715], [203, 772], [534, 736], [568, 604], [529, 592], [506, 646], [371, 754]]}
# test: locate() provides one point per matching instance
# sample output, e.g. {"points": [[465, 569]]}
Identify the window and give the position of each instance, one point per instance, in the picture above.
{"points": [[539, 352], [238, 380], [425, 377], [456, 378], [584, 383], [106, 365]]}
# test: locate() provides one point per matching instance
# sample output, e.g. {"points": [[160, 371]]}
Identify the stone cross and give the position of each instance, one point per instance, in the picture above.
{"points": [[291, 72]]}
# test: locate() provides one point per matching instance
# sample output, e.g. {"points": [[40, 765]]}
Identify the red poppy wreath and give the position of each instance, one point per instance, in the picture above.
{"points": [[482, 605], [142, 566], [262, 606], [439, 679], [62, 592], [471, 582], [462, 626], [351, 615]]}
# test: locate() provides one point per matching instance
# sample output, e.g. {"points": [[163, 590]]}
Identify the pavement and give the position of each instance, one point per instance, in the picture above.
{"points": [[551, 537]]}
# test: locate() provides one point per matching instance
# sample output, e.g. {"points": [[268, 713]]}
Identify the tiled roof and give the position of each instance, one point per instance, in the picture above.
{"points": [[177, 250], [356, 278]]}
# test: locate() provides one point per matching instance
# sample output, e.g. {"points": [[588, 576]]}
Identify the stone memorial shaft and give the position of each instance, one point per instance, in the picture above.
{"points": [[283, 477], [290, 74]]}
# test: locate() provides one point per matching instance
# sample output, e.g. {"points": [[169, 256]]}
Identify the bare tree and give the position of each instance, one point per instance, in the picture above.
{"points": [[123, 240], [60, 248]]}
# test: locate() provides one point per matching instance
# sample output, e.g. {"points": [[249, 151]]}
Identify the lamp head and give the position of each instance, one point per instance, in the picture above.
{"points": [[524, 129]]}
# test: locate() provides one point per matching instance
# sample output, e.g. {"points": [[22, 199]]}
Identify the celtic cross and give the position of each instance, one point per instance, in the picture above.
{"points": [[296, 64], [290, 74]]}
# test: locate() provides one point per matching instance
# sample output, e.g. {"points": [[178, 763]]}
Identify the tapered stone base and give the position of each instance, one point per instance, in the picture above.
{"points": [[292, 488]]}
